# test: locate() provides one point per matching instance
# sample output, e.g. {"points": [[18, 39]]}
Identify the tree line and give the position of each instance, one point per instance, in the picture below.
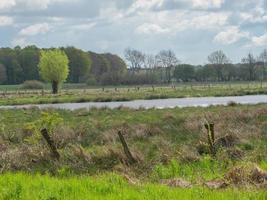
{"points": [[165, 67], [20, 64]]}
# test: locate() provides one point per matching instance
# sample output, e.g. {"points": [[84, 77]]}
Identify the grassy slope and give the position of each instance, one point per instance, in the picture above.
{"points": [[165, 141], [110, 187], [126, 94]]}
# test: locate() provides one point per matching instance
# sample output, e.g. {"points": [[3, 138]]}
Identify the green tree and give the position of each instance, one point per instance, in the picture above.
{"points": [[79, 62], [3, 76], [184, 72], [29, 59], [54, 67]]}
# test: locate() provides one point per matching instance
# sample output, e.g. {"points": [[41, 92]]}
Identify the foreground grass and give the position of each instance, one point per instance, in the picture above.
{"points": [[112, 187], [128, 93], [165, 141]]}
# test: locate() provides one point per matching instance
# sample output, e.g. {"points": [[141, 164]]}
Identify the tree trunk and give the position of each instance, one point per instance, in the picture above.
{"points": [[55, 87]]}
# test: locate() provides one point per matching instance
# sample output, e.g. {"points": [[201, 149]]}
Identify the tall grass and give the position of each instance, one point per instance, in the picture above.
{"points": [[111, 187]]}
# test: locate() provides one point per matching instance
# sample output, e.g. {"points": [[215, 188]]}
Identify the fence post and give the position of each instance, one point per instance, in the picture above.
{"points": [[126, 149], [50, 143], [211, 137]]}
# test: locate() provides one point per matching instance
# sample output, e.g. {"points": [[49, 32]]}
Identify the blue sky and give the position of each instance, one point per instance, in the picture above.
{"points": [[191, 28]]}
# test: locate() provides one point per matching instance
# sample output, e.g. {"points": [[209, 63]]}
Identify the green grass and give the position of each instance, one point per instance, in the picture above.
{"points": [[82, 93], [111, 187], [92, 162]]}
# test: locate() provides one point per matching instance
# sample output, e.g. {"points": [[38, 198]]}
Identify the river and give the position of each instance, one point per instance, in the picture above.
{"points": [[157, 103]]}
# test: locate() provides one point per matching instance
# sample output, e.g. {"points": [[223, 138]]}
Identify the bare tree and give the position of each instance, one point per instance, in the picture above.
{"points": [[167, 59], [150, 61], [135, 58], [263, 60], [150, 66], [250, 63], [218, 59]]}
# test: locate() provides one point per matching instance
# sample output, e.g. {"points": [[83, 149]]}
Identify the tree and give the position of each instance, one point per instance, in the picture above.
{"points": [[3, 76], [167, 59], [184, 72], [54, 67], [29, 59], [79, 63], [263, 59], [250, 65], [218, 59], [135, 58], [205, 73]]}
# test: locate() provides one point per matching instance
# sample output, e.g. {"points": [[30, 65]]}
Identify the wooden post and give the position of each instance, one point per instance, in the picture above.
{"points": [[211, 138], [126, 149], [50, 143]]}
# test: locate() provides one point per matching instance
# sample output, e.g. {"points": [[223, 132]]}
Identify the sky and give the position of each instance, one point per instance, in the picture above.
{"points": [[191, 28]]}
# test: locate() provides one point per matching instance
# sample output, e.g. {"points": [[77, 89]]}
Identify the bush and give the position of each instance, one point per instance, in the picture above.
{"points": [[91, 81], [32, 85]]}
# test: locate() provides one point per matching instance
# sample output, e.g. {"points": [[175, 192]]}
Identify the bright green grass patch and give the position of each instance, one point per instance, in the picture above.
{"points": [[111, 187]]}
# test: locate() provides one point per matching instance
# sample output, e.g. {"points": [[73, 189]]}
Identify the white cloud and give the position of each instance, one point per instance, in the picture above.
{"points": [[5, 4], [6, 21], [84, 27], [260, 41], [145, 5], [35, 29], [147, 28], [209, 21], [206, 4], [21, 41], [253, 17], [230, 36]]}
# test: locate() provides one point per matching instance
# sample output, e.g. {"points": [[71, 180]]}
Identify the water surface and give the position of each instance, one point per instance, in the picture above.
{"points": [[157, 103]]}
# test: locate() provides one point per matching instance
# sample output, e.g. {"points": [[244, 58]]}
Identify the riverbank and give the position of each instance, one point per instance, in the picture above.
{"points": [[128, 94]]}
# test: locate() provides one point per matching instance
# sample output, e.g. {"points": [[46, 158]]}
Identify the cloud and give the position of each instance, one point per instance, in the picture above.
{"points": [[260, 40], [40, 4], [230, 36], [35, 29], [6, 21], [206, 4], [147, 28], [209, 21], [6, 4]]}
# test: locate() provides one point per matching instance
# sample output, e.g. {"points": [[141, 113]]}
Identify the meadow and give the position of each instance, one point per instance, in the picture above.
{"points": [[75, 93], [169, 146]]}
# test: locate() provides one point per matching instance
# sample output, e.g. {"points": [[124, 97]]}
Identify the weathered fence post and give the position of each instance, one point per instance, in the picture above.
{"points": [[211, 138], [50, 143], [126, 149]]}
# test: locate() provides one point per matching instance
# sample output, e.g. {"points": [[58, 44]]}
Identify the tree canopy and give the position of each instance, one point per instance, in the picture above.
{"points": [[54, 67]]}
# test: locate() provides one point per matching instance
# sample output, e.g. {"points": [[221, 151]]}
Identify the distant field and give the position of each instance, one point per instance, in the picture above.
{"points": [[12, 95]]}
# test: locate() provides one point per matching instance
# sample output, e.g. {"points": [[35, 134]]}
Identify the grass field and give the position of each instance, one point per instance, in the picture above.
{"points": [[167, 145], [110, 187], [12, 95]]}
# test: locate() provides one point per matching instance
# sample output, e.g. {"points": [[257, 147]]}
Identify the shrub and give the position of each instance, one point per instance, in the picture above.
{"points": [[32, 85], [91, 81]]}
